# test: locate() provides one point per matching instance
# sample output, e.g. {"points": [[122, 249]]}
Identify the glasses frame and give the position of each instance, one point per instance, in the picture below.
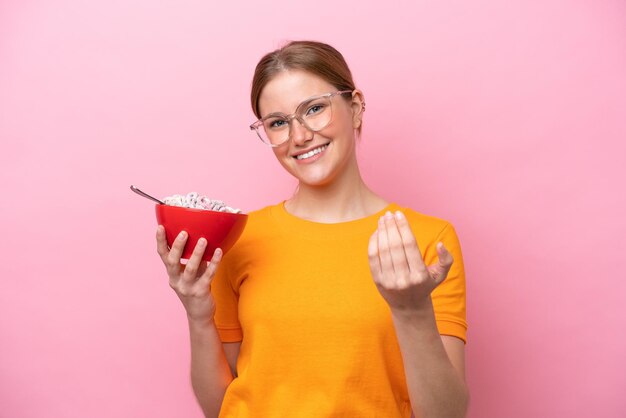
{"points": [[289, 118]]}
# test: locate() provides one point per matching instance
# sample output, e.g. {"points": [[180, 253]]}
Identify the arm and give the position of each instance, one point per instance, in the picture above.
{"points": [[434, 365], [232, 354], [210, 371]]}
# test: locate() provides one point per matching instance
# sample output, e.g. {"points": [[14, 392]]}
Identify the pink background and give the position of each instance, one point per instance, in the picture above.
{"points": [[506, 118]]}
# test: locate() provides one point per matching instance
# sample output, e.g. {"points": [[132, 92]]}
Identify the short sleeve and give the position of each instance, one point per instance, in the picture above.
{"points": [[226, 305], [449, 297]]}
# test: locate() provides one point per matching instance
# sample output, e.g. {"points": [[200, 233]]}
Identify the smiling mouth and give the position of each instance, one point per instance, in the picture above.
{"points": [[311, 153]]}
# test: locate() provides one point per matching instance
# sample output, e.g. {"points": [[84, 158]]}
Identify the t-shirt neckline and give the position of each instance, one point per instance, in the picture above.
{"points": [[303, 227]]}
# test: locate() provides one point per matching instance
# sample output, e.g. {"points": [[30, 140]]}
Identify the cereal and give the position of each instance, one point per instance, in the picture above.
{"points": [[195, 201]]}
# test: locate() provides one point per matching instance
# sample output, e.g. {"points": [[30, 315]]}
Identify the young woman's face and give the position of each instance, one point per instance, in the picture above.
{"points": [[336, 141]]}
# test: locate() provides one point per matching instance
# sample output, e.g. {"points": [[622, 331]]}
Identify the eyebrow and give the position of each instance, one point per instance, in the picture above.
{"points": [[280, 114], [274, 114]]}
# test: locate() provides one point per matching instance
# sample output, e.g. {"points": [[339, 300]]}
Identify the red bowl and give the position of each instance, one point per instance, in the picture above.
{"points": [[220, 229]]}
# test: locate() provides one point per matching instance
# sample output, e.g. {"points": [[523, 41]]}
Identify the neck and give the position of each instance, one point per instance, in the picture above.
{"points": [[343, 199]]}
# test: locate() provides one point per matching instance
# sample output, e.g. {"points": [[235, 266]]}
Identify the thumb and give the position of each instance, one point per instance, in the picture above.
{"points": [[440, 270]]}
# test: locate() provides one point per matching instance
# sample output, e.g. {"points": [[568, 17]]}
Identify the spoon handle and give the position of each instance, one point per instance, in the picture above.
{"points": [[146, 195]]}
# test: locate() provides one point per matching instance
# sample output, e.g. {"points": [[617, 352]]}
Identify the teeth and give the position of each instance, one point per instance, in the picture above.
{"points": [[311, 153]]}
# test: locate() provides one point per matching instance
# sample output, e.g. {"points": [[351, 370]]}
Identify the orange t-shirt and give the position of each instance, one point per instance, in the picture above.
{"points": [[317, 338]]}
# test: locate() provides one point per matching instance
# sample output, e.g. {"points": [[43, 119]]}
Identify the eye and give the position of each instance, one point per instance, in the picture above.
{"points": [[275, 123], [316, 108]]}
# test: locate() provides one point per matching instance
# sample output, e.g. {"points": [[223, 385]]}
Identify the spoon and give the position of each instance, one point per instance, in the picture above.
{"points": [[146, 195]]}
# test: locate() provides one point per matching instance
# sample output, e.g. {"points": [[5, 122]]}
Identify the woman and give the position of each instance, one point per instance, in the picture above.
{"points": [[333, 303]]}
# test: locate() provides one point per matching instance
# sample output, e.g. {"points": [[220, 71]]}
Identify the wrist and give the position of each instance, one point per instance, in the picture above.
{"points": [[201, 323], [422, 312]]}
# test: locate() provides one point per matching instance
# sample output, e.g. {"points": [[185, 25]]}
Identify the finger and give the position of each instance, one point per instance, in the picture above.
{"points": [[162, 247], [386, 264], [194, 262], [177, 248], [445, 257], [372, 253], [209, 273], [396, 249], [411, 249], [444, 262]]}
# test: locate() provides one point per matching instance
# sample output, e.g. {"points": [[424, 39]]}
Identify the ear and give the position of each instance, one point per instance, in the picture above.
{"points": [[358, 107]]}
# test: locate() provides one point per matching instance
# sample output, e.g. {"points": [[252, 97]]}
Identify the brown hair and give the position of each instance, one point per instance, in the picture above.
{"points": [[314, 57]]}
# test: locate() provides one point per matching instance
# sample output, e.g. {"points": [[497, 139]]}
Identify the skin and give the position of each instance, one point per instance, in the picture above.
{"points": [[434, 365], [210, 370], [330, 190]]}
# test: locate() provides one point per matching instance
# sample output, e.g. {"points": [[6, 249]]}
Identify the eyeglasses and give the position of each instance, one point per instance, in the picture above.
{"points": [[315, 113]]}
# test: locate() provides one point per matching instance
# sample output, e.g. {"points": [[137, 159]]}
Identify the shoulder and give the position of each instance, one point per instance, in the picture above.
{"points": [[260, 227], [262, 212], [428, 231], [426, 226], [260, 220], [255, 238]]}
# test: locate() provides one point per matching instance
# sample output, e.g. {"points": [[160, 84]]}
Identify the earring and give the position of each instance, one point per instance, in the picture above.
{"points": [[363, 106]]}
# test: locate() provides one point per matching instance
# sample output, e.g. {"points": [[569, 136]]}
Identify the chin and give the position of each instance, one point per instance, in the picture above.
{"points": [[315, 180], [309, 179], [309, 183]]}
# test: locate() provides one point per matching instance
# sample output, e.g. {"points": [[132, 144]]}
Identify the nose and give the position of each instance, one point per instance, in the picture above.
{"points": [[299, 133]]}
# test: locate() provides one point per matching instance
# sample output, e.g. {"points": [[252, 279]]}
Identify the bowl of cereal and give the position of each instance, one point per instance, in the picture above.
{"points": [[200, 217]]}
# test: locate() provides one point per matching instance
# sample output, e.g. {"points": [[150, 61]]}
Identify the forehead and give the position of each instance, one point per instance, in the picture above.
{"points": [[285, 91]]}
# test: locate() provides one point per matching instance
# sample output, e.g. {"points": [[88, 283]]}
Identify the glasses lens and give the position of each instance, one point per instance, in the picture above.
{"points": [[275, 130], [315, 113]]}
